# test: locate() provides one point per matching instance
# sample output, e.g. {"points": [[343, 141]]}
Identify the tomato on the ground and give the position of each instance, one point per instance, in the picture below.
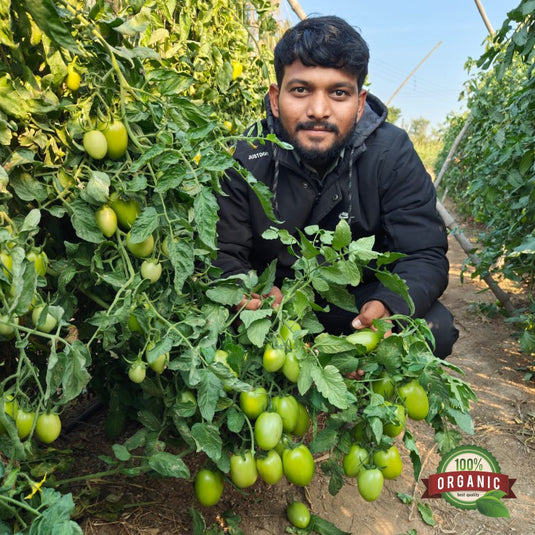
{"points": [[208, 486]]}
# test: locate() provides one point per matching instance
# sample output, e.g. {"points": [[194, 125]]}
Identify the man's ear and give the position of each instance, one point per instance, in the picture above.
{"points": [[274, 99], [362, 100]]}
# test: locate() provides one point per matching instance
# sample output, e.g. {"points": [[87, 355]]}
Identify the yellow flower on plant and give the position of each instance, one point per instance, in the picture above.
{"points": [[237, 69], [197, 158], [36, 487]]}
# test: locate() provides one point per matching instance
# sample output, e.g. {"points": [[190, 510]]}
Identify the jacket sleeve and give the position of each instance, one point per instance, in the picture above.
{"points": [[234, 226], [412, 226]]}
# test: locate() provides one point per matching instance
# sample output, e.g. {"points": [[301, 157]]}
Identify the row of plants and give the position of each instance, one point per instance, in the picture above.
{"points": [[492, 176], [116, 126]]}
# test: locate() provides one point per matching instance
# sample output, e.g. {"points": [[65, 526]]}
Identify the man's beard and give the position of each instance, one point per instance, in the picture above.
{"points": [[314, 157]]}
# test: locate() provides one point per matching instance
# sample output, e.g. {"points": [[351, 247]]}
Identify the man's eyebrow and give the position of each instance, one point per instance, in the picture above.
{"points": [[298, 81]]}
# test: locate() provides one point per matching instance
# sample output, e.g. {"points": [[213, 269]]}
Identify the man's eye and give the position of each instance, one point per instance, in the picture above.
{"points": [[299, 90], [340, 93]]}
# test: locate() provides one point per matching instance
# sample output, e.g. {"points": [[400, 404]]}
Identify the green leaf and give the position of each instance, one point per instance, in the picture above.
{"points": [[121, 452], [168, 465], [490, 505], [330, 344], [258, 331], [208, 393], [325, 440], [330, 384], [182, 258], [97, 190], [426, 513], [205, 207], [83, 221], [410, 444], [6, 35], [323, 527], [45, 15], [208, 439], [396, 284], [405, 498], [145, 225], [342, 235]]}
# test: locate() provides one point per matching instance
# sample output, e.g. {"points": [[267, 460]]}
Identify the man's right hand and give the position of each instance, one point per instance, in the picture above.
{"points": [[254, 301]]}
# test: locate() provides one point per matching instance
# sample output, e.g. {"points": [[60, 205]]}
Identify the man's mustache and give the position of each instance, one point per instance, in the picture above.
{"points": [[310, 125]]}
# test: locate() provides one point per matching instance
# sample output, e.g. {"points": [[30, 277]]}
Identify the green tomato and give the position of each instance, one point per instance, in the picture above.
{"points": [[106, 220], [254, 403], [288, 329], [11, 408], [389, 462], [152, 270], [24, 422], [116, 139], [137, 372], [291, 367], [273, 358], [268, 430], [73, 80], [126, 210], [95, 144], [288, 409], [141, 249], [48, 427], [133, 323], [303, 421], [365, 337], [43, 322], [298, 514], [370, 483], [384, 386], [269, 467], [355, 460], [298, 465], [40, 261], [7, 325], [393, 429], [243, 472], [415, 399], [208, 487], [6, 261]]}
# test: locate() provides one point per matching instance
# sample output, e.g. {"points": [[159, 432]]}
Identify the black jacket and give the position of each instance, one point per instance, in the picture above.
{"points": [[391, 195]]}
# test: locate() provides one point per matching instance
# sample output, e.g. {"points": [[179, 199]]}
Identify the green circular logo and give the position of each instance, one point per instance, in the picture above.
{"points": [[466, 474]]}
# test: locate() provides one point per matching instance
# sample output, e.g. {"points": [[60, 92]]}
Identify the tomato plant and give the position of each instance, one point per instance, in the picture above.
{"points": [[208, 486], [137, 372], [151, 270], [116, 139]]}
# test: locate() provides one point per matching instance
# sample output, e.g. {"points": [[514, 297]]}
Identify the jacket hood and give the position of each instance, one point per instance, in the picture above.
{"points": [[375, 114]]}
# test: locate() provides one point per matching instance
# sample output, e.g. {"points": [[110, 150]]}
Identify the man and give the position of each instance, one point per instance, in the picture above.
{"points": [[348, 163]]}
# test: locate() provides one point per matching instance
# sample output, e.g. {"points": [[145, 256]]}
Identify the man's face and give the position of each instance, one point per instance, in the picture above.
{"points": [[317, 108]]}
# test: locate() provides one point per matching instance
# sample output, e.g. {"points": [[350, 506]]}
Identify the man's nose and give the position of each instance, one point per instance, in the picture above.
{"points": [[318, 106]]}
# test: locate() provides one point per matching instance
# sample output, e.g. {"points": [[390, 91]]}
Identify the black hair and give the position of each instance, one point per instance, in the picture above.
{"points": [[324, 42]]}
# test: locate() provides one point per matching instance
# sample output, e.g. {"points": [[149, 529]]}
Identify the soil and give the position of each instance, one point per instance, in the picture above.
{"points": [[504, 418]]}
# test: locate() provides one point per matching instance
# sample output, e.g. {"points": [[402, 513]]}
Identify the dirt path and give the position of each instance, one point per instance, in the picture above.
{"points": [[504, 418]]}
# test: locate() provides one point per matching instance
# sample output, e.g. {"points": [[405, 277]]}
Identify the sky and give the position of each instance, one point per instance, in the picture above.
{"points": [[401, 33]]}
